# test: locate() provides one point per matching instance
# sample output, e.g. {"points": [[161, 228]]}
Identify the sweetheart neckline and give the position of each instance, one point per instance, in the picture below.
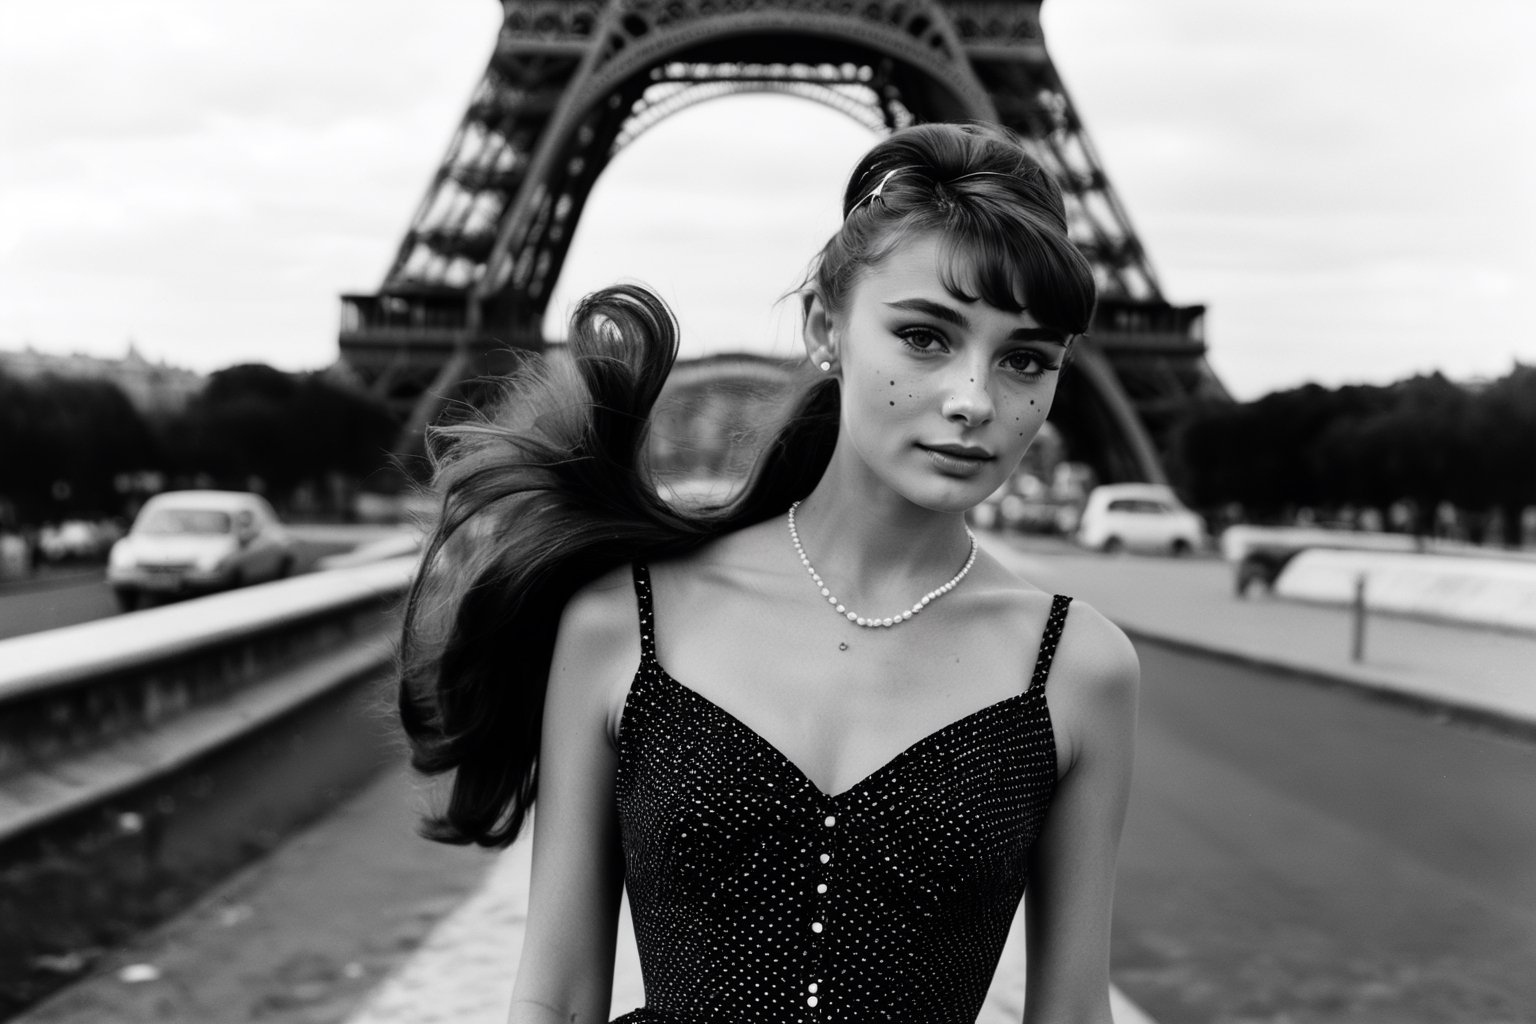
{"points": [[789, 763]]}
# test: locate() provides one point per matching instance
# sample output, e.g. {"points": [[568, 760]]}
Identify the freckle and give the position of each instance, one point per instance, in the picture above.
{"points": [[893, 383], [893, 403]]}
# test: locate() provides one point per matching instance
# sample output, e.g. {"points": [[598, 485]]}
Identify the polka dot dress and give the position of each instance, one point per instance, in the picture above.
{"points": [[759, 898]]}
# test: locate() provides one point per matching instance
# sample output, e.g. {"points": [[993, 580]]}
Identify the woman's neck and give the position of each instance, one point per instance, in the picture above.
{"points": [[875, 543]]}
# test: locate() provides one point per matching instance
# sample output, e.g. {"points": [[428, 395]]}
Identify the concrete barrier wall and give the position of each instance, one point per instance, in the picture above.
{"points": [[1474, 590], [1237, 542], [144, 757]]}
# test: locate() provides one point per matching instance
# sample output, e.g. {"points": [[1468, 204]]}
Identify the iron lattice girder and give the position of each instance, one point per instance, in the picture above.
{"points": [[856, 91], [548, 49], [572, 81]]}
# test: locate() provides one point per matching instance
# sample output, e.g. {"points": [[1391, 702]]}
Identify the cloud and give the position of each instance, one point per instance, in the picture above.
{"points": [[1346, 185], [208, 177]]}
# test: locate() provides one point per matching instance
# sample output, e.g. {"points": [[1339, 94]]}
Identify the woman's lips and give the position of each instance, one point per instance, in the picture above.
{"points": [[957, 460]]}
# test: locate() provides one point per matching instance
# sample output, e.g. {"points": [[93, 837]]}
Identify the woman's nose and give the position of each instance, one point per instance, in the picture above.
{"points": [[969, 401]]}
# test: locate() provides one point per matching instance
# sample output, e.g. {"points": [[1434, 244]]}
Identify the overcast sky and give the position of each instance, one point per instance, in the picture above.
{"points": [[1349, 185]]}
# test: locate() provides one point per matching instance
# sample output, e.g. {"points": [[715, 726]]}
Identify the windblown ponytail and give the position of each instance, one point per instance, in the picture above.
{"points": [[545, 494]]}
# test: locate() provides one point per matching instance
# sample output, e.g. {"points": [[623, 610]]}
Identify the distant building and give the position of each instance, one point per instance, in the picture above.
{"points": [[151, 387], [710, 418]]}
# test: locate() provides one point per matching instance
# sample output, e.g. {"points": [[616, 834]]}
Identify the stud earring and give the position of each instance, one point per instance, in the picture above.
{"points": [[825, 366]]}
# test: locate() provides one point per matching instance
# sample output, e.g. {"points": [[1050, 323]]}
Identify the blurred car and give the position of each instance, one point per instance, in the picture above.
{"points": [[76, 540], [1037, 512], [198, 541], [1140, 517]]}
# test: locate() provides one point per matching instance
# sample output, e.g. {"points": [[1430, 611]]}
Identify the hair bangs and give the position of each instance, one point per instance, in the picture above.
{"points": [[1014, 265]]}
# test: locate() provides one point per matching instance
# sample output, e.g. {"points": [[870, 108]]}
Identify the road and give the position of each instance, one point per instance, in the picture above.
{"points": [[49, 603], [1297, 853], [66, 596]]}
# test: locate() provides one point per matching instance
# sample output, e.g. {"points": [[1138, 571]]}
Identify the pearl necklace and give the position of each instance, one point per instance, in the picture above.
{"points": [[871, 623]]}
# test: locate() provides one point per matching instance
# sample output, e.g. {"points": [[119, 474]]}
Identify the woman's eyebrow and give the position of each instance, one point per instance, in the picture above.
{"points": [[937, 310], [950, 315]]}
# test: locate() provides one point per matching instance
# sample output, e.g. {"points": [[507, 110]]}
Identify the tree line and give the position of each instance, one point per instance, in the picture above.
{"points": [[71, 446], [1426, 445]]}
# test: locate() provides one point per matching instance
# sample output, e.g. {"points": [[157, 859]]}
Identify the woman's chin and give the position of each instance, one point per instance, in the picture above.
{"points": [[950, 495]]}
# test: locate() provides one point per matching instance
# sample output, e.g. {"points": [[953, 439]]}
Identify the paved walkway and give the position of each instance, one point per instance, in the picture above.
{"points": [[463, 972], [1484, 675]]}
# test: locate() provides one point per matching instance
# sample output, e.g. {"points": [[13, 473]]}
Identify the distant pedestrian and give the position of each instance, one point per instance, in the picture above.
{"points": [[807, 728]]}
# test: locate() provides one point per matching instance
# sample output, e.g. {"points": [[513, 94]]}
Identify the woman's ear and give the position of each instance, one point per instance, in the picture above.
{"points": [[818, 332]]}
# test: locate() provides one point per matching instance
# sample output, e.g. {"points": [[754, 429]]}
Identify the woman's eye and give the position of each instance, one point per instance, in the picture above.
{"points": [[922, 339], [1027, 364]]}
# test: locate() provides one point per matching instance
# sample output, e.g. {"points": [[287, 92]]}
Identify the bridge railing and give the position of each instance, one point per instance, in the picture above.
{"points": [[144, 756]]}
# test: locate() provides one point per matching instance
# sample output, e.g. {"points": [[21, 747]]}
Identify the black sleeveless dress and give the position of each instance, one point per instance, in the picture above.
{"points": [[759, 899]]}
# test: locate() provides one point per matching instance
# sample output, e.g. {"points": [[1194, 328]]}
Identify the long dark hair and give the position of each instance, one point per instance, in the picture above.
{"points": [[550, 489]]}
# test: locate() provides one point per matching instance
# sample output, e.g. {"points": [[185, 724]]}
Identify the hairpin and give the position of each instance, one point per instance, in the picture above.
{"points": [[874, 193]]}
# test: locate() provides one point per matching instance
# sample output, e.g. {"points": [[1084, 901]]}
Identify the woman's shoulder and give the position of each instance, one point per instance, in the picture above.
{"points": [[1097, 652], [1092, 649], [598, 647], [602, 615], [737, 558], [605, 612]]}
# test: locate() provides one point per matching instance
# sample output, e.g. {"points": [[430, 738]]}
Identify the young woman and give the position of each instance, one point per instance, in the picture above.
{"points": [[809, 730]]}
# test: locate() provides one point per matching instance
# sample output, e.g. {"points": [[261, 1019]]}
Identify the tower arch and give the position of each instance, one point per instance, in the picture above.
{"points": [[572, 81]]}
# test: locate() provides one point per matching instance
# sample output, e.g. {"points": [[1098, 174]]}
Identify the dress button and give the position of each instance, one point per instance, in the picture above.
{"points": [[826, 857], [822, 887], [810, 1000], [830, 821], [816, 927]]}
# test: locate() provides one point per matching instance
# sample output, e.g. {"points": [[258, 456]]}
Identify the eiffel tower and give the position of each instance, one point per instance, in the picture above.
{"points": [[571, 82]]}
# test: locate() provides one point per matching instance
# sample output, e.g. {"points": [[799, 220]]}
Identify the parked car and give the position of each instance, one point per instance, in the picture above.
{"points": [[186, 542], [1141, 517], [1032, 510]]}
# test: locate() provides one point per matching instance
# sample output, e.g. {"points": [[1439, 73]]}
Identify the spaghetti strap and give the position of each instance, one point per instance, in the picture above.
{"points": [[1053, 627], [647, 613]]}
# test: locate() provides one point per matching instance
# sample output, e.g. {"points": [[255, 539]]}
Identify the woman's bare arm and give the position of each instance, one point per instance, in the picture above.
{"points": [[1072, 883], [565, 975]]}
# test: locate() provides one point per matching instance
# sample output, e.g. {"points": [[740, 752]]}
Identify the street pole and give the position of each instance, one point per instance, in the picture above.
{"points": [[1357, 652]]}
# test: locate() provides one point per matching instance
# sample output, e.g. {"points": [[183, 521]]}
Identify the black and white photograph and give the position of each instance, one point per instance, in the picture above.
{"points": [[768, 512]]}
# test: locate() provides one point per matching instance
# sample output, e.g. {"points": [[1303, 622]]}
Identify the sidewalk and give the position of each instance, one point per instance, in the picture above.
{"points": [[1479, 675]]}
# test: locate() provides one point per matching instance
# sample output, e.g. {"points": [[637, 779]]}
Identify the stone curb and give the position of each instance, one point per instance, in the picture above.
{"points": [[1480, 716]]}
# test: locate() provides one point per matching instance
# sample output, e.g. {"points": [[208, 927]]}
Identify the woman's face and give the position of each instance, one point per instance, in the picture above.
{"points": [[940, 397]]}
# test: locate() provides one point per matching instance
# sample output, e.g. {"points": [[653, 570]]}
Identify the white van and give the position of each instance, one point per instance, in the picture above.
{"points": [[1139, 517]]}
